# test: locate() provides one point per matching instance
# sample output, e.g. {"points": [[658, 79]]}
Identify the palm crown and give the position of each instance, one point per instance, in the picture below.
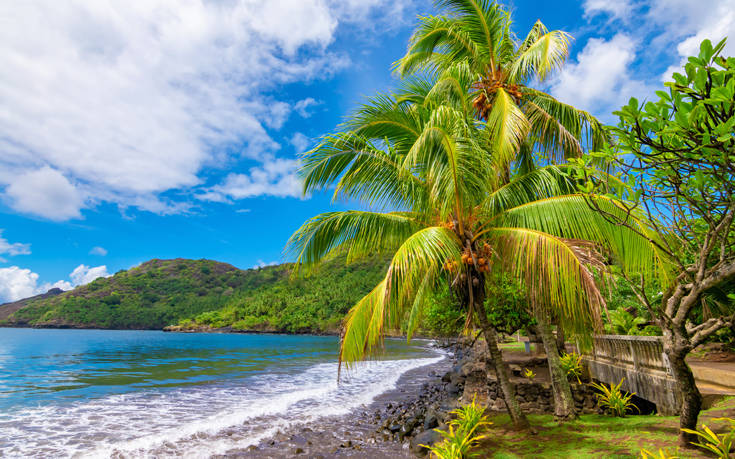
{"points": [[520, 118], [423, 165]]}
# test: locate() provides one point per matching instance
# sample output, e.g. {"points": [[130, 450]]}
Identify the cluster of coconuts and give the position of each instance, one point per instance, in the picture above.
{"points": [[482, 255]]}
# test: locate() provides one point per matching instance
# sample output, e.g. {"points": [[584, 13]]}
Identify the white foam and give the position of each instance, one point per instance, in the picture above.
{"points": [[196, 421]]}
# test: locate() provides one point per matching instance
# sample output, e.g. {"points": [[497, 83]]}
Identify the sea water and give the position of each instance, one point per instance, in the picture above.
{"points": [[102, 393]]}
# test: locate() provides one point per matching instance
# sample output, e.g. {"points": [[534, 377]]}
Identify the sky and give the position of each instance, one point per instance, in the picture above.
{"points": [[132, 130]]}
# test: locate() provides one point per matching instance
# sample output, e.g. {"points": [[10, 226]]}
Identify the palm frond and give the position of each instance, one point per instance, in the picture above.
{"points": [[356, 233], [541, 53], [508, 125]]}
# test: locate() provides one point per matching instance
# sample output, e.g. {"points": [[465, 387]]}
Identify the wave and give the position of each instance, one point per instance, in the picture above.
{"points": [[197, 421]]}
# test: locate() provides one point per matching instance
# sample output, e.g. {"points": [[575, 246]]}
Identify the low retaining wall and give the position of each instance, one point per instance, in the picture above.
{"points": [[641, 363]]}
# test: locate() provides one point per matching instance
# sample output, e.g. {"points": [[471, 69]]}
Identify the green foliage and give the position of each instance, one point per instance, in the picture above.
{"points": [[462, 437], [443, 315], [196, 293], [507, 304], [623, 323], [571, 365], [660, 454], [529, 374], [613, 400], [720, 445]]}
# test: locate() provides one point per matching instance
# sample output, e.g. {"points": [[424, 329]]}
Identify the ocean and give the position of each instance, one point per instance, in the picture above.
{"points": [[103, 393]]}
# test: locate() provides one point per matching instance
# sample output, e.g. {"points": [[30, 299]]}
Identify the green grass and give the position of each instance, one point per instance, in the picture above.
{"points": [[593, 436], [514, 346]]}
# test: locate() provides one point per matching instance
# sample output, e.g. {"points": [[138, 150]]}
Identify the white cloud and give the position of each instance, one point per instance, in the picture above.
{"points": [[101, 251], [13, 248], [44, 192], [263, 264], [300, 142], [121, 101], [302, 106], [84, 274], [618, 9], [601, 80], [17, 283], [690, 24], [274, 178]]}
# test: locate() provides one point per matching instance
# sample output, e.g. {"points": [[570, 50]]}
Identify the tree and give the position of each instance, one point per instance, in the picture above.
{"points": [[522, 120], [678, 156], [453, 217], [525, 125]]}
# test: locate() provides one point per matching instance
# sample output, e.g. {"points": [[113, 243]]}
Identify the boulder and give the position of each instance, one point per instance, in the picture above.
{"points": [[428, 438]]}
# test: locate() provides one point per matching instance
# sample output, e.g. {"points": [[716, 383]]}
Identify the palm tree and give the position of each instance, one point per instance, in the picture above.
{"points": [[522, 120], [422, 165]]}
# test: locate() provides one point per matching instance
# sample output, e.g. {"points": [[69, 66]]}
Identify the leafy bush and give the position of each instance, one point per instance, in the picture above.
{"points": [[721, 445], [461, 437], [507, 305], [613, 400], [571, 365], [443, 316]]}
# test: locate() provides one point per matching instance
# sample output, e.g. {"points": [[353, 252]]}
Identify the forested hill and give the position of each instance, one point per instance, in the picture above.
{"points": [[165, 292]]}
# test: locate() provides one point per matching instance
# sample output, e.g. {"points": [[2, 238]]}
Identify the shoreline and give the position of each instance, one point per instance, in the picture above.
{"points": [[375, 430]]}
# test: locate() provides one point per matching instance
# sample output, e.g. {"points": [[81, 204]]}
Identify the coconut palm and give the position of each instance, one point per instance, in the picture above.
{"points": [[521, 119], [423, 166]]}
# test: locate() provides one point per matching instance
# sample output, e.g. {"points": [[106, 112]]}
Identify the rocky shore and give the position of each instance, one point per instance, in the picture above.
{"points": [[398, 422]]}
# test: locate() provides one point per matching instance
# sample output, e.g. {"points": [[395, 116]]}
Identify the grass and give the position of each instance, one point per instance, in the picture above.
{"points": [[594, 436], [514, 346]]}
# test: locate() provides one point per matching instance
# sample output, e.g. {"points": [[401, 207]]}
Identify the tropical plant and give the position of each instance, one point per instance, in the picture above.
{"points": [[675, 153], [621, 322], [571, 365], [660, 454], [519, 117], [529, 374], [462, 435], [614, 400], [721, 445], [436, 186]]}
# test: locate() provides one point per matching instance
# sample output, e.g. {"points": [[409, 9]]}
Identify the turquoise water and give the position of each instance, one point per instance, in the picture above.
{"points": [[140, 393]]}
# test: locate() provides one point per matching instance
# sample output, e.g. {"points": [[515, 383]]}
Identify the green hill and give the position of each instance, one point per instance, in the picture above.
{"points": [[205, 293]]}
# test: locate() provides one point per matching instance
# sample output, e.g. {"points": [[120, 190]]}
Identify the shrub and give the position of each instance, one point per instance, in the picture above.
{"points": [[613, 400], [461, 437], [721, 445], [529, 374], [571, 364]]}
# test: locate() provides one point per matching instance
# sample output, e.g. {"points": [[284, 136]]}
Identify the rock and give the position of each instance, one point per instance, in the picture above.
{"points": [[297, 451], [430, 420], [394, 428], [447, 376], [428, 438], [453, 389]]}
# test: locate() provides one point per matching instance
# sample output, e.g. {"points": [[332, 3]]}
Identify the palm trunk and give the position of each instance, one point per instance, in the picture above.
{"points": [[502, 371], [691, 403], [563, 401], [560, 338]]}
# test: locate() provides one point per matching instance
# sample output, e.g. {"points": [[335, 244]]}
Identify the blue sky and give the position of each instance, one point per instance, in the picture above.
{"points": [[162, 129]]}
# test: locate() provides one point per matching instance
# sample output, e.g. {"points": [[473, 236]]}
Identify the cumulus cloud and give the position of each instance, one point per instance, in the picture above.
{"points": [[101, 251], [17, 283], [274, 178], [84, 274], [122, 101], [12, 248], [601, 79], [44, 192]]}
